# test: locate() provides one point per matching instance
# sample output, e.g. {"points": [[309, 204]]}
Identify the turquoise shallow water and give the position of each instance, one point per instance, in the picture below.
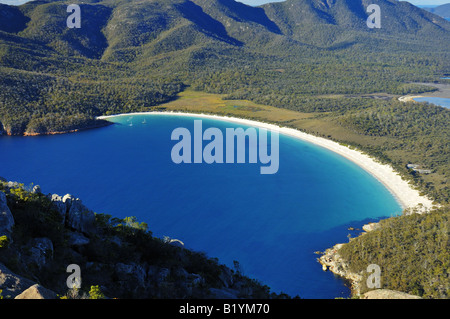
{"points": [[271, 224], [444, 102]]}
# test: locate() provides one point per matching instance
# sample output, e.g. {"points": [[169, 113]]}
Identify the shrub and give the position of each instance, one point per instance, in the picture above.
{"points": [[96, 293], [4, 241]]}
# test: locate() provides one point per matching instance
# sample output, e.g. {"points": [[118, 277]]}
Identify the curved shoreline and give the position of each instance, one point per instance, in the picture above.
{"points": [[403, 192], [409, 98]]}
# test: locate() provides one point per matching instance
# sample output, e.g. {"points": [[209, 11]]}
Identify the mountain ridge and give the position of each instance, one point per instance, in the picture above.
{"points": [[442, 10], [129, 55], [134, 23]]}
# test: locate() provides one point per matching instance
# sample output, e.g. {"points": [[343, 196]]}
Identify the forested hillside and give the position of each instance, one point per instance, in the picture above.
{"points": [[412, 252]]}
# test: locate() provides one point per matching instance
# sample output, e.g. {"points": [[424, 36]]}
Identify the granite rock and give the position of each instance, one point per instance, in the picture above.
{"points": [[37, 292], [6, 218]]}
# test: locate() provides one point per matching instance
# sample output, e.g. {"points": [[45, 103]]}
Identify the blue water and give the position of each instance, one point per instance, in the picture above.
{"points": [[271, 224], [444, 102]]}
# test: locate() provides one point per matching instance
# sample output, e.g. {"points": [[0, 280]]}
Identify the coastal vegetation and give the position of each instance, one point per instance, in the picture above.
{"points": [[119, 258], [411, 250]]}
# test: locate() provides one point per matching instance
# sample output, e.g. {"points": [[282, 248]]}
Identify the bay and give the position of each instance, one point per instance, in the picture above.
{"points": [[271, 224]]}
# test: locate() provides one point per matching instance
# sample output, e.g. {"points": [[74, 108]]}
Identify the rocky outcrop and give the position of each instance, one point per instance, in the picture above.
{"points": [[110, 254], [387, 294], [75, 215], [371, 227], [37, 292], [12, 284], [77, 239], [36, 190], [6, 218], [331, 260], [59, 205], [40, 252]]}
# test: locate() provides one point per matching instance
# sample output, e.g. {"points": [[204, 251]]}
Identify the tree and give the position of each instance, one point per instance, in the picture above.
{"points": [[4, 241], [133, 223], [96, 293]]}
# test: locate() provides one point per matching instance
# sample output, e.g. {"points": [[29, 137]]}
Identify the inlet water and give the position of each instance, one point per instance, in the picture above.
{"points": [[444, 102], [271, 224]]}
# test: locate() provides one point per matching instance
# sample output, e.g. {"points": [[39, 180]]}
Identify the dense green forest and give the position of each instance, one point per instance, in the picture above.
{"points": [[412, 252]]}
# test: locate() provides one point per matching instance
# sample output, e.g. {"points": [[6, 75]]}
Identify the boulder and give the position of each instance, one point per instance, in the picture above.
{"points": [[13, 185], [41, 251], [37, 292], [181, 273], [176, 243], [12, 284], [77, 239], [131, 271], [6, 218], [130, 279], [371, 227], [226, 277], [78, 216], [196, 279], [162, 275], [59, 205], [67, 199], [36, 190]]}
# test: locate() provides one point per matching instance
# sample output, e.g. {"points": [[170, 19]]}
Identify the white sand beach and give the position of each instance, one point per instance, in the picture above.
{"points": [[409, 98], [406, 195]]}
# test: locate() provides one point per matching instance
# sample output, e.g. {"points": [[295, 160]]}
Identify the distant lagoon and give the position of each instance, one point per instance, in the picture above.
{"points": [[444, 102], [271, 224]]}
